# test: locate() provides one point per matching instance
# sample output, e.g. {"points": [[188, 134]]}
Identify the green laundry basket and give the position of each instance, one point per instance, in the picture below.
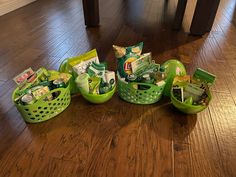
{"points": [[130, 92], [43, 110]]}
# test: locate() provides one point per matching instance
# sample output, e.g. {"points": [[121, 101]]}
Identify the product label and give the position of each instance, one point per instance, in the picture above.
{"points": [[127, 65], [22, 77]]}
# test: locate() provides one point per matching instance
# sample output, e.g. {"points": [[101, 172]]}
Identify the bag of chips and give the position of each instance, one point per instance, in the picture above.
{"points": [[125, 56]]}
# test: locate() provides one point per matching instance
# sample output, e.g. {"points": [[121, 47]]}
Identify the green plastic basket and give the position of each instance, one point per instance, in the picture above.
{"points": [[43, 110], [130, 93]]}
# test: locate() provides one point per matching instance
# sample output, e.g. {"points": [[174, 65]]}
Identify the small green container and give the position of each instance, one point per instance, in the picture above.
{"points": [[193, 109], [98, 99], [129, 92], [43, 110], [187, 108]]}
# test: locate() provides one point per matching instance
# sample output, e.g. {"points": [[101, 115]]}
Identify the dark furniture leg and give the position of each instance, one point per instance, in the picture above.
{"points": [[204, 16], [179, 14], [91, 12], [213, 14]]}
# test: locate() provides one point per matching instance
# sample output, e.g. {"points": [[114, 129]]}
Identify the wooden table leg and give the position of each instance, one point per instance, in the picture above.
{"points": [[91, 12], [213, 14], [179, 14], [204, 16]]}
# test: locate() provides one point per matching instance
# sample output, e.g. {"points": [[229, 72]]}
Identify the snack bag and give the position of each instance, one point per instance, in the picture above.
{"points": [[125, 56]]}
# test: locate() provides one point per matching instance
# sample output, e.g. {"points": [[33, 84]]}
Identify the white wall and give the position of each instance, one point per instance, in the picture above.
{"points": [[10, 5]]}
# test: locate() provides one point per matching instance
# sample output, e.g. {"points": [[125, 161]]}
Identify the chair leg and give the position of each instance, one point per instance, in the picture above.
{"points": [[179, 14], [91, 12], [203, 17], [213, 14]]}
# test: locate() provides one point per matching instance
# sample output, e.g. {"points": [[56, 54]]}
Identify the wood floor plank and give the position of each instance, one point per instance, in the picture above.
{"points": [[225, 128], [204, 149]]}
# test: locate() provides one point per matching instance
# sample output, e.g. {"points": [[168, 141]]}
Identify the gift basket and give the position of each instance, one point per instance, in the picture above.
{"points": [[41, 95], [140, 79], [192, 94], [90, 77]]}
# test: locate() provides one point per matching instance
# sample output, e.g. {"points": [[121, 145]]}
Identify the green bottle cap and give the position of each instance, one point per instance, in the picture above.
{"points": [[162, 69]]}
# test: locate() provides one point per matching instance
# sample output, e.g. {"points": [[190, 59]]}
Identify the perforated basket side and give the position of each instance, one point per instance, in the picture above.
{"points": [[44, 110], [130, 93]]}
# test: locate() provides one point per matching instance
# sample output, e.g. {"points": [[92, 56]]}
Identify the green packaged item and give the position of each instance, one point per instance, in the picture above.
{"points": [[38, 93], [189, 101], [97, 70], [142, 63], [152, 69], [42, 73], [147, 79], [110, 78], [77, 65], [94, 83], [104, 87], [82, 82], [59, 83], [178, 93], [80, 63], [125, 56], [205, 76]]}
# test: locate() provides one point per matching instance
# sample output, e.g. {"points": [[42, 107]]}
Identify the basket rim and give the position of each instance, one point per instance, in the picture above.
{"points": [[99, 95], [188, 105]]}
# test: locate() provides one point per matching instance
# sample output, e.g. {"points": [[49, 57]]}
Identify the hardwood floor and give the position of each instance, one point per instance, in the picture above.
{"points": [[118, 138]]}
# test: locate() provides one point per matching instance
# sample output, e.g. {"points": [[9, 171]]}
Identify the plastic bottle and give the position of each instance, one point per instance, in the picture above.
{"points": [[161, 74], [147, 79]]}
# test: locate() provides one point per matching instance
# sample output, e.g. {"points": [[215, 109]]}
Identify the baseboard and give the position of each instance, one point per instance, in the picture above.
{"points": [[10, 5]]}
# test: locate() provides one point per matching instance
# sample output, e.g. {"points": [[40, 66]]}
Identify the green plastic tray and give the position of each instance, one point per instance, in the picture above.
{"points": [[43, 110]]}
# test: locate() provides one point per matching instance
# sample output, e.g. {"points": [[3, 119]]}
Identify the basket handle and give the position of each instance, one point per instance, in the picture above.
{"points": [[43, 98], [142, 84], [62, 66]]}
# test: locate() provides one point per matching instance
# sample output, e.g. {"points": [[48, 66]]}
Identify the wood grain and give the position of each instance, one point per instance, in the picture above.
{"points": [[8, 6], [117, 138]]}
